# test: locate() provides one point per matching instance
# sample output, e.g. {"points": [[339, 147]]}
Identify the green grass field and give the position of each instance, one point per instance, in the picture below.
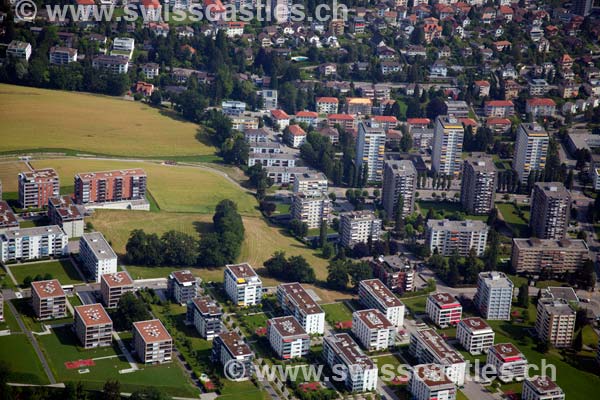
{"points": [[94, 124], [10, 322], [337, 312], [253, 322], [24, 363], [9, 170], [62, 270], [444, 209], [416, 304], [510, 216]]}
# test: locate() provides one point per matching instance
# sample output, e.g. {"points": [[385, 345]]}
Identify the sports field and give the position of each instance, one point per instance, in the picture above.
{"points": [[50, 119]]}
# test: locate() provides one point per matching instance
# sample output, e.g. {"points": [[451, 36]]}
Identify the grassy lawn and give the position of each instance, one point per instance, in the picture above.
{"points": [[416, 304], [127, 128], [337, 312], [9, 170], [24, 363], [63, 270], [23, 307], [388, 366], [250, 323], [10, 322], [445, 209], [510, 216], [241, 390]]}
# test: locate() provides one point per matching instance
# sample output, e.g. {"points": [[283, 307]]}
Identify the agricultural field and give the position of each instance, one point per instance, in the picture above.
{"points": [[9, 170], [94, 124], [63, 270]]}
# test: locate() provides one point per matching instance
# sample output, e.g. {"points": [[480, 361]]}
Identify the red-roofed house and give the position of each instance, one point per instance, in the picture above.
{"points": [[151, 10], [502, 45], [308, 117], [483, 88], [386, 121], [281, 118], [499, 108], [296, 136], [498, 125], [327, 105], [540, 107], [507, 13], [468, 122], [346, 121], [417, 123], [145, 88]]}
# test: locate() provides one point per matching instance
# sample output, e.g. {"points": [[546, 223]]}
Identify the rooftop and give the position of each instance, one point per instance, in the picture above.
{"points": [[381, 292], [44, 174], [481, 162], [46, 289], [235, 344], [243, 272], [550, 244], [99, 245], [443, 352], [183, 277], [543, 385], [475, 324], [401, 167], [507, 352], [495, 279], [432, 375], [33, 231], [533, 129], [287, 326], [468, 225], [111, 174], [93, 314], [553, 189], [349, 351], [66, 208], [373, 319], [7, 216], [207, 305], [151, 331], [444, 299], [117, 279], [301, 298]]}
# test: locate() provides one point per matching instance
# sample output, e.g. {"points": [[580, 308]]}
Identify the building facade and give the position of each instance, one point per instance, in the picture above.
{"points": [[461, 236], [550, 210], [287, 337], [374, 294], [33, 243], [494, 295], [429, 381], [182, 286], [359, 370], [152, 342], [475, 335], [297, 302], [359, 227], [96, 255], [507, 362], [370, 150], [113, 286], [48, 299], [555, 321], [443, 309], [93, 326], [533, 255], [531, 148], [205, 314], [478, 187], [242, 285], [228, 346], [541, 388], [399, 179], [447, 146], [312, 208], [110, 186], [66, 214], [373, 330], [37, 187], [395, 272], [426, 346]]}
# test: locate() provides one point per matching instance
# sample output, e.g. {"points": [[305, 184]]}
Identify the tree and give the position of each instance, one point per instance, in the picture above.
{"points": [[359, 272], [179, 248], [361, 250], [578, 341], [328, 250], [323, 233], [523, 298], [294, 269], [337, 278], [298, 228], [267, 207], [130, 309], [111, 390]]}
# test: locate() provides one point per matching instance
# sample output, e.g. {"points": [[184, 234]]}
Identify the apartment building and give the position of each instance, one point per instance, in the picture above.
{"points": [[345, 121], [475, 335], [297, 302], [110, 186], [499, 108], [327, 105], [449, 236], [555, 321], [374, 294], [272, 159], [359, 105], [310, 118], [287, 337], [242, 285], [19, 50], [233, 108], [359, 227], [313, 208], [152, 342], [228, 346], [113, 286], [62, 211], [62, 55], [457, 108], [93, 326], [494, 295], [295, 135], [533, 255], [395, 273], [540, 107], [426, 346], [205, 314], [507, 362], [541, 388], [478, 186], [341, 350], [37, 187], [280, 118], [310, 182], [429, 382], [182, 286], [370, 150], [531, 148], [48, 299], [96, 255], [447, 146], [33, 243], [443, 309], [373, 330], [8, 219], [550, 210], [116, 64], [399, 179]]}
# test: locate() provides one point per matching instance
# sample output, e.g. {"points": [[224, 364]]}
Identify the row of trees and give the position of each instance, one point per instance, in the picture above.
{"points": [[292, 269]]}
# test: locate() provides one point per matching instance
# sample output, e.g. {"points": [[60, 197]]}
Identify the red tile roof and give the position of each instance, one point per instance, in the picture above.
{"points": [[296, 130], [279, 114], [327, 100], [535, 102]]}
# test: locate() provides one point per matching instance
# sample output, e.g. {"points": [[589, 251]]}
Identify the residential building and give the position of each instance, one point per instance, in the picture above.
{"points": [[341, 351], [287, 337], [310, 182], [8, 219], [296, 136], [541, 388], [205, 314], [113, 286], [447, 146], [182, 286], [310, 118], [62, 55], [494, 295], [538, 87], [297, 302], [555, 321], [37, 187], [48, 299], [33, 243], [507, 362], [461, 236], [233, 108], [475, 335], [96, 255], [110, 186], [443, 309], [123, 46], [457, 109], [556, 257], [345, 121], [550, 210], [152, 342], [280, 118], [395, 272], [373, 329], [327, 105], [62, 211], [93, 326], [399, 179], [429, 382], [242, 285], [114, 63], [151, 70], [359, 227], [19, 50], [228, 346], [499, 108], [374, 294], [478, 187], [272, 159], [540, 107], [370, 149], [269, 97], [426, 346], [582, 8], [531, 148], [313, 208], [359, 105], [243, 123]]}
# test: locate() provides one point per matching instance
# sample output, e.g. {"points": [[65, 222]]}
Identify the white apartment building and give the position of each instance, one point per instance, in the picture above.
{"points": [[373, 329], [242, 285], [313, 208], [447, 146], [448, 236], [151, 70], [370, 150], [494, 295], [62, 55], [507, 362], [114, 63], [443, 309], [555, 321], [310, 182], [327, 105], [429, 347], [32, 243], [531, 148], [297, 302], [374, 294], [232, 107], [182, 286], [19, 50], [342, 351], [287, 337], [205, 314], [429, 382], [229, 346], [62, 211], [124, 46], [399, 178], [541, 388], [96, 255], [359, 227], [475, 335]]}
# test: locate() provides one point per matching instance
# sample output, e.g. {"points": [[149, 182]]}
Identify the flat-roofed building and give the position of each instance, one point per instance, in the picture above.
{"points": [[359, 105], [443, 309], [96, 255], [370, 150], [494, 295], [429, 382], [395, 272], [296, 301], [8, 219], [461, 236], [228, 346], [360, 372], [555, 321], [359, 227], [447, 146], [25, 244], [37, 187], [475, 335], [478, 187], [48, 299], [541, 388], [310, 182], [19, 50], [550, 210], [62, 211], [312, 208], [426, 346], [507, 361], [110, 186], [531, 148], [93, 326], [243, 285], [399, 179], [117, 64], [374, 294], [152, 342], [533, 255], [287, 337], [182, 286], [113, 286], [205, 314], [62, 55], [373, 330]]}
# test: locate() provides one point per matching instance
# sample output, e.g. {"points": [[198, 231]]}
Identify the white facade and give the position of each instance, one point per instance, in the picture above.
{"points": [[96, 255], [370, 150], [310, 182], [494, 295], [341, 350], [443, 309], [507, 362], [287, 337], [531, 148], [311, 208], [374, 294], [33, 243], [429, 347], [296, 301], [448, 236], [242, 285], [327, 105], [475, 335], [373, 329], [359, 227], [447, 146], [429, 381], [541, 388], [20, 50]]}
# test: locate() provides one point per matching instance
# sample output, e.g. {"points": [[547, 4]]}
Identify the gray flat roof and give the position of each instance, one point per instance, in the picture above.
{"points": [[99, 245]]}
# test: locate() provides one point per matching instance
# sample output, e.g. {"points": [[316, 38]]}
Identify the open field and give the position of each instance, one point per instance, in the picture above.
{"points": [[63, 270], [25, 366], [10, 322], [50, 119], [337, 312], [415, 304], [8, 174], [445, 209]]}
